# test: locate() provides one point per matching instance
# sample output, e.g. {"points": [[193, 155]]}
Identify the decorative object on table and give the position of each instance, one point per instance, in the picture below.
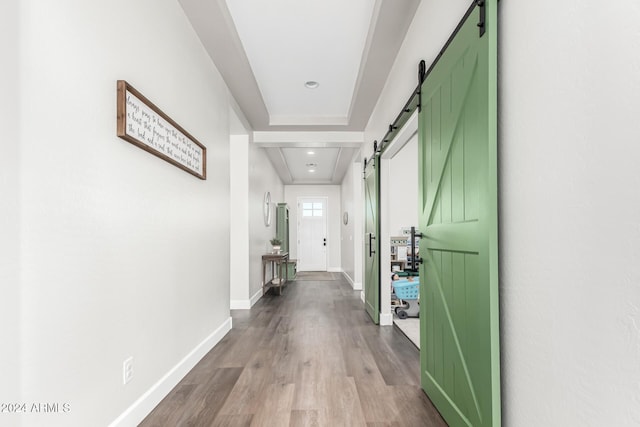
{"points": [[275, 242], [266, 208], [144, 125]]}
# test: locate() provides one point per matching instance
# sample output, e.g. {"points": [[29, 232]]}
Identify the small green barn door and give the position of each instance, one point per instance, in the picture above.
{"points": [[371, 231], [460, 349]]}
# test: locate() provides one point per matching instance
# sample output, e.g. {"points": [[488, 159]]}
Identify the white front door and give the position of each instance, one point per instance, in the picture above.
{"points": [[312, 234]]}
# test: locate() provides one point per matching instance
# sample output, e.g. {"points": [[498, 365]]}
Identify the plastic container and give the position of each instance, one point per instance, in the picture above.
{"points": [[407, 290]]}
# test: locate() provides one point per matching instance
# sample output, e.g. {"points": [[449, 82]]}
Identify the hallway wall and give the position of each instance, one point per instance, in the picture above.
{"points": [[569, 213], [239, 217], [403, 186], [252, 175], [123, 254], [262, 178], [10, 206], [350, 234]]}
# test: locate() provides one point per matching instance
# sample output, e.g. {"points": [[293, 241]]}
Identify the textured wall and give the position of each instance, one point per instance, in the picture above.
{"points": [[10, 223], [570, 212]]}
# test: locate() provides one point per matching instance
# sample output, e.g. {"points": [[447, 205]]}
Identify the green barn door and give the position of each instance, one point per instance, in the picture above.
{"points": [[460, 349], [371, 231]]}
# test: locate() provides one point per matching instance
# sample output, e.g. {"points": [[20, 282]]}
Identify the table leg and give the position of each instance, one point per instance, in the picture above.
{"points": [[264, 273], [286, 269], [280, 277]]}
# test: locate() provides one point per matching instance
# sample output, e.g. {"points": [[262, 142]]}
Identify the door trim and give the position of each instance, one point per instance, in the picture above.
{"points": [[402, 138]]}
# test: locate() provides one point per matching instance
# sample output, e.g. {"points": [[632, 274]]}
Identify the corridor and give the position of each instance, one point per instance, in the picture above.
{"points": [[311, 357]]}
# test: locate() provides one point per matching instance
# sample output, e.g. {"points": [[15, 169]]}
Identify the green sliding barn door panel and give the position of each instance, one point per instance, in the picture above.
{"points": [[460, 348], [371, 231]]}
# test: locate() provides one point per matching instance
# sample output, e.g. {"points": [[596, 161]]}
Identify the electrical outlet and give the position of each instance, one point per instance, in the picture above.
{"points": [[127, 370]]}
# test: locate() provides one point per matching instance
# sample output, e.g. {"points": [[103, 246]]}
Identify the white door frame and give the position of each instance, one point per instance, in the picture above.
{"points": [[408, 131]]}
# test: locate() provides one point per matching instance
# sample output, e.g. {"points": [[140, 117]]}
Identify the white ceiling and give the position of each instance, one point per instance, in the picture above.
{"points": [[267, 49], [290, 42]]}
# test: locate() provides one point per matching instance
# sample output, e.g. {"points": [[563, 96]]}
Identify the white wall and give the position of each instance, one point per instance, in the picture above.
{"points": [[239, 210], [569, 212], [252, 174], [262, 178], [350, 234], [291, 195], [10, 352], [403, 188], [123, 254], [398, 205]]}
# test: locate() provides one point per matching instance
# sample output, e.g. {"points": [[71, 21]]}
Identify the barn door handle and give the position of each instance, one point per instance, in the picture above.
{"points": [[414, 259], [371, 251]]}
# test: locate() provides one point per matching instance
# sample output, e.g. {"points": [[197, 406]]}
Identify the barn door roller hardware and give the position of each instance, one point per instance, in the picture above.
{"points": [[412, 105], [415, 100], [367, 160], [422, 74]]}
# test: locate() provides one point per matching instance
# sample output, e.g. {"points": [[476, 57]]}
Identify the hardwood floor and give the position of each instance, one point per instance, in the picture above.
{"points": [[311, 357]]}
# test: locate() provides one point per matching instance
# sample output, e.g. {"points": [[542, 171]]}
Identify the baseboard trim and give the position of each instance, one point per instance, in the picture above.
{"points": [[362, 295], [357, 286], [256, 297], [240, 304], [150, 399], [245, 304], [334, 270], [386, 319], [344, 273]]}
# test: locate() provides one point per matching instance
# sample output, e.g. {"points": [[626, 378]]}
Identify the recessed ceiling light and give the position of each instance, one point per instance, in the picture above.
{"points": [[312, 165], [311, 153], [312, 170], [311, 84]]}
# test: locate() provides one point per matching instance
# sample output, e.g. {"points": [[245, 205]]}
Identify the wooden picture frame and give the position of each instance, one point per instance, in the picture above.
{"points": [[143, 124]]}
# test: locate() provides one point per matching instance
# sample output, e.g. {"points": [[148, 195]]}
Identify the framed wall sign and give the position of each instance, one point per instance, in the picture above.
{"points": [[143, 124]]}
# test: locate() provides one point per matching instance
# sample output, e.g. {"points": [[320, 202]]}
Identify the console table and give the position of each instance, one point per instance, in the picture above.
{"points": [[279, 262]]}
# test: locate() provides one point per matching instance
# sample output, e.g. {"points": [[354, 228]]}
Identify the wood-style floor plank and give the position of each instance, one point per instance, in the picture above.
{"points": [[275, 409], [311, 357], [232, 421], [304, 419]]}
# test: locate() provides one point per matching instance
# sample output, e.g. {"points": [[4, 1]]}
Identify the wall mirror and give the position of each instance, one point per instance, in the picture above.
{"points": [[266, 209]]}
